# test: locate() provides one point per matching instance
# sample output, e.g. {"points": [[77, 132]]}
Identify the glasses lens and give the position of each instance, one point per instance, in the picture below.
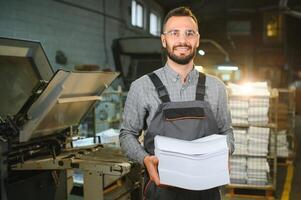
{"points": [[176, 33]]}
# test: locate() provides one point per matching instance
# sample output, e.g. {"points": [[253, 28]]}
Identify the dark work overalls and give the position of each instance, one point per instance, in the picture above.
{"points": [[187, 120]]}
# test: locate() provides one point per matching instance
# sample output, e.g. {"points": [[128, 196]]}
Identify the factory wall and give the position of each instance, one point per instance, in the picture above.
{"points": [[82, 30]]}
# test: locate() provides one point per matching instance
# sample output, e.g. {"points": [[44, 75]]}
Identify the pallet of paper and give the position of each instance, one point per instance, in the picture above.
{"points": [[195, 165]]}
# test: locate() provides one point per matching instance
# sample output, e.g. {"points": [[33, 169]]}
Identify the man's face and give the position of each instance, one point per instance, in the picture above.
{"points": [[181, 39]]}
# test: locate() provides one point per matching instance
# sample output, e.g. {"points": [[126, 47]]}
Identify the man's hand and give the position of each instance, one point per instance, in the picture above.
{"points": [[151, 164]]}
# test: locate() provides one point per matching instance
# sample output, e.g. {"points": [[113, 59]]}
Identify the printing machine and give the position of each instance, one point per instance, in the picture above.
{"points": [[40, 111]]}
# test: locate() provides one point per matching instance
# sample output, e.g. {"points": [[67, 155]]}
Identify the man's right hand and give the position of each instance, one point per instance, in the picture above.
{"points": [[151, 164]]}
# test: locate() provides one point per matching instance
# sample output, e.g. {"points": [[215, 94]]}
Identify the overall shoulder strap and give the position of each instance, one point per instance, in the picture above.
{"points": [[161, 89], [200, 88]]}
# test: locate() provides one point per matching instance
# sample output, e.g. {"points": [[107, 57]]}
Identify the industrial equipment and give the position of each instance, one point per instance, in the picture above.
{"points": [[40, 111], [137, 56]]}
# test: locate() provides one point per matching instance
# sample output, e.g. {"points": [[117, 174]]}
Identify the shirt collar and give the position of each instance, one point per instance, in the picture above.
{"points": [[171, 74]]}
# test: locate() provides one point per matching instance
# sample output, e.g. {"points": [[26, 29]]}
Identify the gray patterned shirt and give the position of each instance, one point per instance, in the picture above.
{"points": [[142, 103]]}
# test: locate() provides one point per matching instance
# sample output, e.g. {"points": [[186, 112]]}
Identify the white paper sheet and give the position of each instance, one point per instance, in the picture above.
{"points": [[195, 165], [239, 104]]}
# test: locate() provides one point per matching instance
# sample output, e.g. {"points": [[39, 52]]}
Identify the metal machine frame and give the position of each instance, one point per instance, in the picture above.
{"points": [[36, 135]]}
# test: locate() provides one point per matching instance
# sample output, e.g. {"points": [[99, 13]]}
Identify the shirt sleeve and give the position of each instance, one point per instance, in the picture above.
{"points": [[224, 117], [132, 124]]}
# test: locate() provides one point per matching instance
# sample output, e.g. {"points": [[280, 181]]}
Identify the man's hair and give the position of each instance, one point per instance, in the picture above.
{"points": [[180, 12]]}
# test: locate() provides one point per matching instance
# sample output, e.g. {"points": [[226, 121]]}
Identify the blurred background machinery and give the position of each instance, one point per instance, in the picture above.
{"points": [[40, 113]]}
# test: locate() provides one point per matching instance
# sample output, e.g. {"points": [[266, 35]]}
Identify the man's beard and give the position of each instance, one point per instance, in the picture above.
{"points": [[178, 59]]}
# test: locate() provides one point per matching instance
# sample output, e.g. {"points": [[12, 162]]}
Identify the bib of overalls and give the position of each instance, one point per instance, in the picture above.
{"points": [[185, 120]]}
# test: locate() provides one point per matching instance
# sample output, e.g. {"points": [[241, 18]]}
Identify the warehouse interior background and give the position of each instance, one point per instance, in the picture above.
{"points": [[260, 38]]}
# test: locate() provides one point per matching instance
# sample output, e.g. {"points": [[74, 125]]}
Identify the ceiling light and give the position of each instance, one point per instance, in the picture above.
{"points": [[201, 52], [227, 68]]}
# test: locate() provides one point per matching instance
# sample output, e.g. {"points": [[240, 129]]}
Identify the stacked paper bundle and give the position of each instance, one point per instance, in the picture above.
{"points": [[258, 111], [257, 171], [250, 89], [259, 89], [196, 165], [238, 172], [239, 110], [258, 141], [241, 141], [249, 103], [282, 144]]}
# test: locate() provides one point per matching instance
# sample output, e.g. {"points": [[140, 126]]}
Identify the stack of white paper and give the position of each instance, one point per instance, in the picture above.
{"points": [[260, 102], [252, 107], [238, 166], [241, 141], [258, 111], [241, 121], [195, 165], [250, 89], [239, 103], [239, 111], [257, 170], [282, 144], [258, 141], [259, 89]]}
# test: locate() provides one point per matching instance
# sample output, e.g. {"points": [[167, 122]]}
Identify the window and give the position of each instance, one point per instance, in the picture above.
{"points": [[154, 24], [137, 14], [273, 27]]}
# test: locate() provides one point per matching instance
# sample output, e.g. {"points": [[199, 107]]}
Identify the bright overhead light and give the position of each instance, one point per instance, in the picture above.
{"points": [[201, 52], [227, 68]]}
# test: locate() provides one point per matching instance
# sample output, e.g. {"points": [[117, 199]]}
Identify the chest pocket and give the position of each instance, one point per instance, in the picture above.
{"points": [[173, 114]]}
